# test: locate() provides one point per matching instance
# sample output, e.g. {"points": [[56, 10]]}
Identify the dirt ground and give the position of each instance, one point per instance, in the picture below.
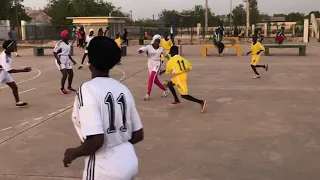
{"points": [[264, 129]]}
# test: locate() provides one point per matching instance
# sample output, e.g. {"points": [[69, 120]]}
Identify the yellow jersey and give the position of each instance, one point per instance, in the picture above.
{"points": [[178, 65], [118, 41], [255, 48], [166, 44]]}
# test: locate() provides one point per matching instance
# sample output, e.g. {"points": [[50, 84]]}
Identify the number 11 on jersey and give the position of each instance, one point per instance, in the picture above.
{"points": [[109, 101]]}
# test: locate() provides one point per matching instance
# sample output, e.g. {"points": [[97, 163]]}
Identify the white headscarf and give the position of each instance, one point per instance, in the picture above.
{"points": [[157, 36]]}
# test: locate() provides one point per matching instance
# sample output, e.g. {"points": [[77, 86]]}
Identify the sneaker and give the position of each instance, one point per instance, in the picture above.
{"points": [[80, 67], [88, 64], [63, 91], [203, 105], [266, 67], [220, 55], [175, 103], [147, 97], [71, 89], [21, 104], [256, 76], [165, 93]]}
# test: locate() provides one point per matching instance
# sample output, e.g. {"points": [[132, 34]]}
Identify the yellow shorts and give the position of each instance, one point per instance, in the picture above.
{"points": [[255, 59], [180, 81]]}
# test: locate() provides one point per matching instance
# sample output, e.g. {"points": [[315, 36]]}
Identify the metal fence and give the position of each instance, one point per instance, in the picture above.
{"points": [[49, 32]]}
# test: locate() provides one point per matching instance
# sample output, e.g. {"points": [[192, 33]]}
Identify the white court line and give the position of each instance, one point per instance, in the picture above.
{"points": [[61, 110], [124, 74], [5, 129], [36, 119], [27, 90], [51, 114], [39, 73], [24, 123]]}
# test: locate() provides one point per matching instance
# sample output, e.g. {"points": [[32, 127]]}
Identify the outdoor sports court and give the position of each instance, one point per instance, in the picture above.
{"points": [[253, 129]]}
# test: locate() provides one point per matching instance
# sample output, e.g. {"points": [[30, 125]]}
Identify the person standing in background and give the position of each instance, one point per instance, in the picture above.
{"points": [[74, 35], [107, 32], [13, 36], [125, 37]]}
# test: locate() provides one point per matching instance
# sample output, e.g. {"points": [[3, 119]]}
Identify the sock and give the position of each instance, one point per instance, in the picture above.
{"points": [[16, 53], [254, 69], [151, 80], [190, 98], [173, 92], [158, 83]]}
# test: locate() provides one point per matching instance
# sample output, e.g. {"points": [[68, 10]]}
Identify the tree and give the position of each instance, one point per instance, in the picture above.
{"points": [[188, 18], [239, 15], [254, 12], [13, 10], [316, 13], [60, 9], [295, 17]]}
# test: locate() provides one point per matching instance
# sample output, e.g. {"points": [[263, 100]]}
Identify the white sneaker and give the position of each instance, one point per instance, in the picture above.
{"points": [[147, 97], [165, 93], [256, 76]]}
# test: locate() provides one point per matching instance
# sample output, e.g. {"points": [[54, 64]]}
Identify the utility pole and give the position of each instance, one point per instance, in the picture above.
{"points": [[248, 18], [131, 14], [230, 16], [206, 17]]}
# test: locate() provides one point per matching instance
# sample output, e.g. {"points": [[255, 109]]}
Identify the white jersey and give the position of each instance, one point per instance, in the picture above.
{"points": [[105, 106], [5, 66], [63, 50], [88, 39], [5, 62], [153, 54]]}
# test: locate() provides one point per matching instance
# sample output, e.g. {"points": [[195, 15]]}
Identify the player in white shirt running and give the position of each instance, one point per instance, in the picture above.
{"points": [[6, 71], [61, 53], [106, 119], [88, 39], [154, 52]]}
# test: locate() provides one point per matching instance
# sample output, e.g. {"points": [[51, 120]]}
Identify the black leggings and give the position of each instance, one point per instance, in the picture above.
{"points": [[220, 46]]}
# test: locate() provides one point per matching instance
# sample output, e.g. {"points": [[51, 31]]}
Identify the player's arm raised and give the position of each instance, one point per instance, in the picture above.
{"points": [[91, 127], [137, 128], [143, 49]]}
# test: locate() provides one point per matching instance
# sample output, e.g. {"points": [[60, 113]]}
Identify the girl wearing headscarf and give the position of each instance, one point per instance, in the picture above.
{"points": [[61, 53], [6, 71], [154, 52]]}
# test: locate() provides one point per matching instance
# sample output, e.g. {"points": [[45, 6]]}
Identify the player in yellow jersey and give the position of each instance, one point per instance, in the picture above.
{"points": [[118, 40], [256, 49], [178, 66], [166, 43]]}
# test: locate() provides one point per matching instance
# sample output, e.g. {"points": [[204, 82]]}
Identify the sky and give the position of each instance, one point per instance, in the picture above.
{"points": [[147, 8]]}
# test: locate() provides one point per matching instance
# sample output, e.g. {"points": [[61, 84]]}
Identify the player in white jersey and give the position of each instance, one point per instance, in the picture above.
{"points": [[88, 39], [106, 119], [154, 52], [6, 71], [63, 61]]}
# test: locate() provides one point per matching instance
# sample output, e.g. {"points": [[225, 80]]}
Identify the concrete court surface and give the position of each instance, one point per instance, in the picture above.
{"points": [[266, 129]]}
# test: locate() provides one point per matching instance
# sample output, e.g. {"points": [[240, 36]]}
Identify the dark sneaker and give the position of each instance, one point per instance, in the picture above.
{"points": [[63, 91], [266, 67], [21, 104], [203, 105]]}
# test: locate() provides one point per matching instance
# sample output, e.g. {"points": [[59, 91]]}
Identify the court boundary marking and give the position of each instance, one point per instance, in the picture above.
{"points": [[56, 113]]}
